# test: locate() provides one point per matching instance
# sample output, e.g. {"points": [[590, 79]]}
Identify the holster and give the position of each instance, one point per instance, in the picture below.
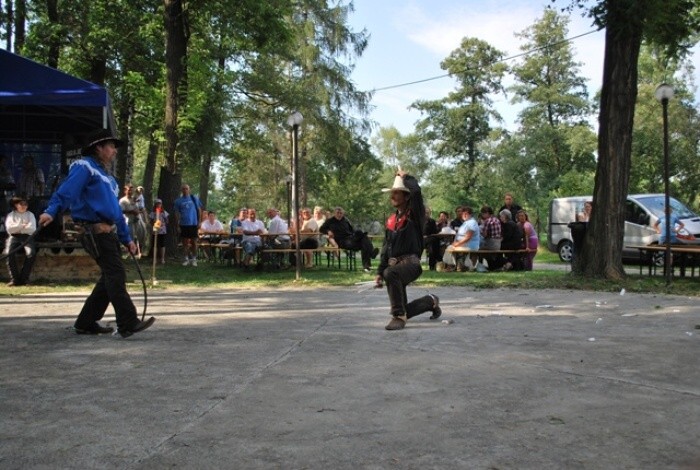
{"points": [[86, 238]]}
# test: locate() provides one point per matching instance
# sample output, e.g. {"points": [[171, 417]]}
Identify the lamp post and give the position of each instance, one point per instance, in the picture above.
{"points": [[288, 182], [294, 121], [664, 93]]}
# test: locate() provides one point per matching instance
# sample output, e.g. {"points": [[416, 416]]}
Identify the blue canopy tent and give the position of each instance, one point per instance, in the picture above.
{"points": [[45, 114], [42, 105]]}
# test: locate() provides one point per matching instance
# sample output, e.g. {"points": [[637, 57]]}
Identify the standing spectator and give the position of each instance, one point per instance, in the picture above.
{"points": [[509, 203], [401, 251], [585, 216], [531, 241], [7, 183], [512, 240], [20, 225], [159, 219], [339, 228], [188, 216], [432, 243], [90, 192], [132, 214], [31, 184], [252, 229]]}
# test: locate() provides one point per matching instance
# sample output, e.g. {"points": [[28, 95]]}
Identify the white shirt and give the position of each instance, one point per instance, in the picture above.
{"points": [[278, 225], [215, 227], [250, 226], [17, 223]]}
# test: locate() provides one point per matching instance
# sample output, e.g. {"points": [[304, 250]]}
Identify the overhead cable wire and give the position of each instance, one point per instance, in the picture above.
{"points": [[516, 56]]}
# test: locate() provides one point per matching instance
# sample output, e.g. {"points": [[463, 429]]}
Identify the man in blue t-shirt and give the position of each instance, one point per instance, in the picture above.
{"points": [[188, 215]]}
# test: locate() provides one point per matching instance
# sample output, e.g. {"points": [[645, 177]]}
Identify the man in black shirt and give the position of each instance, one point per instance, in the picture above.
{"points": [[403, 245], [338, 227]]}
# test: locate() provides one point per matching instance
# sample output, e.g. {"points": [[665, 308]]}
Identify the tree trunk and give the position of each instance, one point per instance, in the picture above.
{"points": [[9, 15], [169, 188], [602, 251], [204, 174], [54, 44], [175, 54], [149, 172], [20, 25], [125, 157]]}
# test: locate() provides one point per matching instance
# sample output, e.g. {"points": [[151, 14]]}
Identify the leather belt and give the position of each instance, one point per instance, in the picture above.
{"points": [[97, 227], [404, 259]]}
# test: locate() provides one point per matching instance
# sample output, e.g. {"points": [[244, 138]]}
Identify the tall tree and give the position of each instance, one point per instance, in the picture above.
{"points": [[553, 121], [669, 24], [455, 125]]}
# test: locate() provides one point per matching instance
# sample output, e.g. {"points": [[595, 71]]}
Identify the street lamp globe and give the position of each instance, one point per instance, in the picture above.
{"points": [[664, 92], [295, 119]]}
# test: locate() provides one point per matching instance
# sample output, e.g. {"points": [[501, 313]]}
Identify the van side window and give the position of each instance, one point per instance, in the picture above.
{"points": [[635, 214]]}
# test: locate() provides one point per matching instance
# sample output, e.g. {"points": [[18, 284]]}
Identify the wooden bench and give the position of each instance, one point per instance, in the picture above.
{"points": [[688, 256], [487, 253]]}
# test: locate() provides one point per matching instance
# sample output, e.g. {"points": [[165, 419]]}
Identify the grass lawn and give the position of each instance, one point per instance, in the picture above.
{"points": [[215, 275]]}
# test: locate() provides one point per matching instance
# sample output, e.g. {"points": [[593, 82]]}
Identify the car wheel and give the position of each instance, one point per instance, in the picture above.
{"points": [[566, 251]]}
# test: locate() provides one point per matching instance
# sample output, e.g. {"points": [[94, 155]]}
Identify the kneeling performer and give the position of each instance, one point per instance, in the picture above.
{"points": [[401, 252]]}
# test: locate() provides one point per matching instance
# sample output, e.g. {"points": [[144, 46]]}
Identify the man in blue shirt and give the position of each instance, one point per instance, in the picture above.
{"points": [[188, 216], [91, 193], [676, 226]]}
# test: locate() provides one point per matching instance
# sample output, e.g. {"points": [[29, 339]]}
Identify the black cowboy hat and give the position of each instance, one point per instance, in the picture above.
{"points": [[98, 136]]}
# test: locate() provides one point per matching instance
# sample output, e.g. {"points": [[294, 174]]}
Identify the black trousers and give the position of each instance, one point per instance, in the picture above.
{"points": [[363, 244], [396, 278], [16, 275], [110, 287]]}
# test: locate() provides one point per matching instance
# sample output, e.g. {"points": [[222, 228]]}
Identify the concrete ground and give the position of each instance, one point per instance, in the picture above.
{"points": [[297, 379]]}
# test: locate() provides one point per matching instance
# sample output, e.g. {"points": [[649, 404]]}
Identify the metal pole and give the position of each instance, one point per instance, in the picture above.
{"points": [[295, 182], [667, 196]]}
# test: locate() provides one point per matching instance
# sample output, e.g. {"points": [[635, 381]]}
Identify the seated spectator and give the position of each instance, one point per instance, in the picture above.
{"points": [[212, 228], [443, 220], [308, 233], [512, 240], [339, 228], [530, 239], [467, 239], [277, 226], [237, 232], [252, 229], [490, 235], [457, 221], [20, 225]]}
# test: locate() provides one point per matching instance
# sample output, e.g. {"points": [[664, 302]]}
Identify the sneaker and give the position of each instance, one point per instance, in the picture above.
{"points": [[193, 262], [186, 263], [437, 311], [396, 323], [367, 270]]}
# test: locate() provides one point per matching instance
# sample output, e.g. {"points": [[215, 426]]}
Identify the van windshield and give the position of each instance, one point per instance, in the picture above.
{"points": [[656, 205]]}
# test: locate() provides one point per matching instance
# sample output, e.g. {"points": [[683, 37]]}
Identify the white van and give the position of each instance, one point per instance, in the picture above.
{"points": [[641, 213]]}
